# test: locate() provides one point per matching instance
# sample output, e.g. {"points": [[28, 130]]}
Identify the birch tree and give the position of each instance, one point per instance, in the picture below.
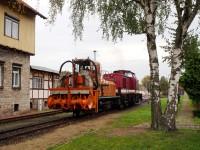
{"points": [[119, 17], [186, 11]]}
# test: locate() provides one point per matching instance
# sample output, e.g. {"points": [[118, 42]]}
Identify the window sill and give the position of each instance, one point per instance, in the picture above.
{"points": [[17, 39], [16, 88]]}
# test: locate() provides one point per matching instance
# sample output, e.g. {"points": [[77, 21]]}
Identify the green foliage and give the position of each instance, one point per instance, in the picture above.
{"points": [[164, 85], [190, 79], [146, 81], [56, 7], [117, 17]]}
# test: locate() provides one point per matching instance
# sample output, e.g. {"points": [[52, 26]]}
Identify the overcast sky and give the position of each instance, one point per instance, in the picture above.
{"points": [[55, 44]]}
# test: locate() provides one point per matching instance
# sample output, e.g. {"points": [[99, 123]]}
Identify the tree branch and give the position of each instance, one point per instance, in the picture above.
{"points": [[187, 10], [193, 13], [140, 2], [178, 9]]}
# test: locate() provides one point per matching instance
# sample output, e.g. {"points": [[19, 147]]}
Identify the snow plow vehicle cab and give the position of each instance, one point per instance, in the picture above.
{"points": [[77, 90]]}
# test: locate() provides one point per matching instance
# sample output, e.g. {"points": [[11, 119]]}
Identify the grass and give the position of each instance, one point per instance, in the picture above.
{"points": [[163, 103], [151, 140], [105, 139], [196, 118], [196, 113], [138, 116]]}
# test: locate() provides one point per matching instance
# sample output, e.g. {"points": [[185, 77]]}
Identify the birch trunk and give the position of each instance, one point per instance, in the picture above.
{"points": [[150, 10], [169, 116], [185, 17], [171, 109]]}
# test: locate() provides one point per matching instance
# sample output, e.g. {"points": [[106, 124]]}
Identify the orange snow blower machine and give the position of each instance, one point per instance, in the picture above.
{"points": [[80, 89]]}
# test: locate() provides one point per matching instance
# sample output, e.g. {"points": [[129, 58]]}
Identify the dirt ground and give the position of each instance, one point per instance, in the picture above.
{"points": [[63, 134], [185, 115], [132, 130]]}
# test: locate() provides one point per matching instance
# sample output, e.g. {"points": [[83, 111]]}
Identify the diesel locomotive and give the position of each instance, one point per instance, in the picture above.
{"points": [[86, 89]]}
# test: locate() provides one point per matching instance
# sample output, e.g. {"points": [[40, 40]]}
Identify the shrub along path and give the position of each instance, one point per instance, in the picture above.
{"points": [[185, 117]]}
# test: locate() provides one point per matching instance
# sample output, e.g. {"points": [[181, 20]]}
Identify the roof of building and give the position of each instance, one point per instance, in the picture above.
{"points": [[14, 49], [31, 9], [39, 68], [26, 5]]}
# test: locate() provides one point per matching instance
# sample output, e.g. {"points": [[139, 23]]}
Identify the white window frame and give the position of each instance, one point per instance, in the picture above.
{"points": [[37, 83], [12, 31], [55, 83], [16, 77]]}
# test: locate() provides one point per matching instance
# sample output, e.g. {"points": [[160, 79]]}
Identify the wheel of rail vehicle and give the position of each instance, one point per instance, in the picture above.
{"points": [[76, 113], [139, 101], [121, 105]]}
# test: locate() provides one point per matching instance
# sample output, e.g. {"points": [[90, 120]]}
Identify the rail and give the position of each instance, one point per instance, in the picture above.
{"points": [[30, 116], [15, 134]]}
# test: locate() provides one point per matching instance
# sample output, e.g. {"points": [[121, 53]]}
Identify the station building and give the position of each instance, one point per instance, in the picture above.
{"points": [[41, 79], [17, 44]]}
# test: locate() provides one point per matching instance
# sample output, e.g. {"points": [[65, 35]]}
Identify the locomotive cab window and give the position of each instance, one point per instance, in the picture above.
{"points": [[129, 74], [76, 68], [11, 27]]}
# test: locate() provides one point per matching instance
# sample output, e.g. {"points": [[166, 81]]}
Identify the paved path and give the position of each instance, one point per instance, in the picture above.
{"points": [[185, 115]]}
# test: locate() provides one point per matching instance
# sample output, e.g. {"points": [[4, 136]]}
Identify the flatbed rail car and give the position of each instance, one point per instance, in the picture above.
{"points": [[83, 89]]}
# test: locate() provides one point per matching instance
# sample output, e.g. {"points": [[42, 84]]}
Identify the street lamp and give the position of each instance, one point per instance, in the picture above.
{"points": [[94, 55]]}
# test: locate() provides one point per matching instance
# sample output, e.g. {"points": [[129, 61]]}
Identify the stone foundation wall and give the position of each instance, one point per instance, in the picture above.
{"points": [[10, 97]]}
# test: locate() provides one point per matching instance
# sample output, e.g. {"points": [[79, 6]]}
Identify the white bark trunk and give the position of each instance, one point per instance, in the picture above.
{"points": [[185, 18], [154, 64], [172, 93]]}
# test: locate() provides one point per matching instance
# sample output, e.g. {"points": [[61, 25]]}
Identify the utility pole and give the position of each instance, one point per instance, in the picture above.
{"points": [[94, 55]]}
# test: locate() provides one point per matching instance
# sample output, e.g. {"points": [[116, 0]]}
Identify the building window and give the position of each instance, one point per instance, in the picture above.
{"points": [[16, 107], [31, 105], [37, 83], [55, 82], [11, 27], [16, 76], [1, 75]]}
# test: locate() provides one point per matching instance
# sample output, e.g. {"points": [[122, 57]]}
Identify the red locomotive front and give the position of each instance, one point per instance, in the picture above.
{"points": [[123, 79]]}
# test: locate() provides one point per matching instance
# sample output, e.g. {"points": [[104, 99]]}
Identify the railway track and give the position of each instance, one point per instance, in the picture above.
{"points": [[30, 129], [30, 116], [22, 132], [15, 134]]}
